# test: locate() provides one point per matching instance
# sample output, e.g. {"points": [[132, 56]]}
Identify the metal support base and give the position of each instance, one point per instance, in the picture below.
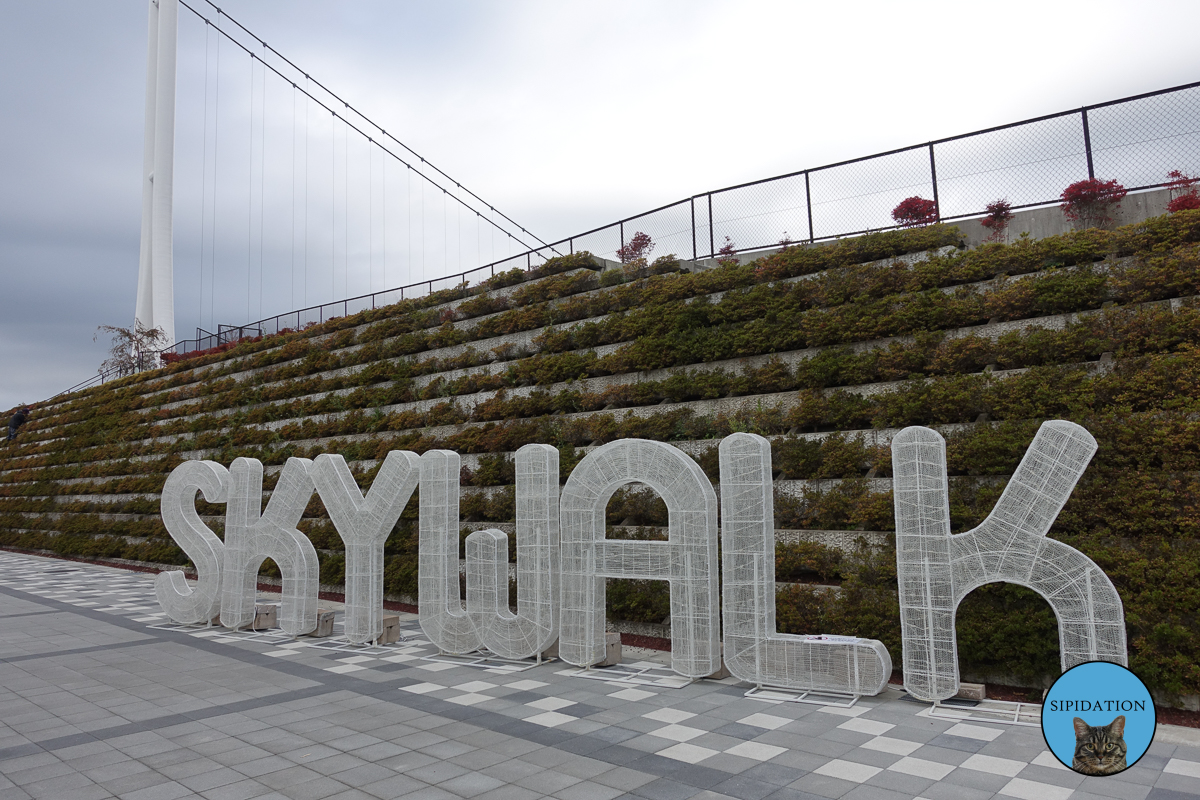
{"points": [[1002, 712], [816, 697], [643, 673], [482, 659]]}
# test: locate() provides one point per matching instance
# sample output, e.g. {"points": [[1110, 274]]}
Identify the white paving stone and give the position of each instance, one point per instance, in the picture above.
{"points": [[668, 715], [898, 747], [866, 726], [756, 750], [1178, 766], [550, 719], [765, 721], [922, 768], [690, 753], [1032, 790], [677, 733], [848, 770], [1047, 759], [974, 732], [994, 765], [550, 704]]}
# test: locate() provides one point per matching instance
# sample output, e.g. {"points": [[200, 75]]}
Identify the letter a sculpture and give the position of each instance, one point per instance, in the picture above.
{"points": [[937, 570]]}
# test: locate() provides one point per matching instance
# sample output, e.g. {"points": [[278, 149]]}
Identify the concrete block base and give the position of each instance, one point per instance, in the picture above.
{"points": [[391, 630], [324, 623], [265, 617], [612, 649], [972, 691]]}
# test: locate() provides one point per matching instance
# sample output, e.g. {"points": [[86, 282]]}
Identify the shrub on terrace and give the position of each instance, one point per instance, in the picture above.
{"points": [[914, 212], [1088, 202]]}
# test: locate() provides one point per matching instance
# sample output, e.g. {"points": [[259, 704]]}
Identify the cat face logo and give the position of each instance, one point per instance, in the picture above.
{"points": [[1099, 749]]}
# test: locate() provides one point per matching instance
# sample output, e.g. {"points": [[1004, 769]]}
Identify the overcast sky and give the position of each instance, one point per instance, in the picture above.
{"points": [[564, 115]]}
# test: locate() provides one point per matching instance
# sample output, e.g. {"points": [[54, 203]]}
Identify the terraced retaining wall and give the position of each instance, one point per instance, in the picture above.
{"points": [[828, 351]]}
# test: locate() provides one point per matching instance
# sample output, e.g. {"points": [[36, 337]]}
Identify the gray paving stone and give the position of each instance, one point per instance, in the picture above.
{"points": [[172, 712]]}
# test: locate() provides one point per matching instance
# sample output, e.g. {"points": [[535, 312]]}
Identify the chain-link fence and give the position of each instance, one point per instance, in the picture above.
{"points": [[1135, 141]]}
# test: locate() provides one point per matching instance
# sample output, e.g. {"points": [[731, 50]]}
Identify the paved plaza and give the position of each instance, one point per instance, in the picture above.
{"points": [[103, 697]]}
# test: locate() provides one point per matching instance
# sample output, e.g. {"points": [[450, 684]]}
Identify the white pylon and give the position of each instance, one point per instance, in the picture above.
{"points": [[156, 285]]}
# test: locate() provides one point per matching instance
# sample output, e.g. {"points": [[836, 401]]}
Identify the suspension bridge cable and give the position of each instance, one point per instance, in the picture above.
{"points": [[250, 193], [294, 196], [370, 217], [369, 121], [383, 180], [346, 210], [304, 283], [408, 204], [204, 178], [262, 203], [212, 273], [332, 206]]}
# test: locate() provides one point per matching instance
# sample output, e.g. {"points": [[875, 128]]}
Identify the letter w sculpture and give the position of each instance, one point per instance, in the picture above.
{"points": [[937, 570]]}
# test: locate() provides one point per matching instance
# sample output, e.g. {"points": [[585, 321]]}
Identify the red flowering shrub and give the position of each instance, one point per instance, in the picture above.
{"points": [[913, 212], [999, 214], [169, 358], [1184, 195], [639, 246], [1088, 202], [727, 254]]}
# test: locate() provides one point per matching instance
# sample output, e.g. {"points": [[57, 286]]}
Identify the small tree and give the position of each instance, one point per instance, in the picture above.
{"points": [[913, 212], [1088, 203], [640, 246], [999, 214], [1184, 195], [727, 254], [133, 349]]}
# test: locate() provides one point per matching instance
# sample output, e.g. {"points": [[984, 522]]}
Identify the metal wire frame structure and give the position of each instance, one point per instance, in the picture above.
{"points": [[1135, 140], [936, 570]]}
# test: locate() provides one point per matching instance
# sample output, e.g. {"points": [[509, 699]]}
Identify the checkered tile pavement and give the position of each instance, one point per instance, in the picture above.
{"points": [[653, 742]]}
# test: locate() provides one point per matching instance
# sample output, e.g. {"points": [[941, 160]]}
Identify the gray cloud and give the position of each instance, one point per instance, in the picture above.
{"points": [[564, 115]]}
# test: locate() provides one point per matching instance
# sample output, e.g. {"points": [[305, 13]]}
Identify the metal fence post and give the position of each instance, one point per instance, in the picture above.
{"points": [[692, 203], [712, 248], [937, 208], [812, 235], [1087, 145], [622, 226]]}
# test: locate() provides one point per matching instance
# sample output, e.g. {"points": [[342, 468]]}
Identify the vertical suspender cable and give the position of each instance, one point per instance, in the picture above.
{"points": [[294, 196], [346, 208], [250, 194], [204, 179], [383, 180], [370, 217], [304, 283], [408, 205], [332, 206], [212, 273], [262, 169]]}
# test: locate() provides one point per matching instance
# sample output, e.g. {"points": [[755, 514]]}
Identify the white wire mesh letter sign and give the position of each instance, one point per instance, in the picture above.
{"points": [[364, 524], [936, 570], [687, 559], [535, 625], [252, 537], [441, 611], [754, 651], [179, 601]]}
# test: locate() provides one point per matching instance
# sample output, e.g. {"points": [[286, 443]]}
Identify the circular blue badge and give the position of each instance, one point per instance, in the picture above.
{"points": [[1098, 718]]}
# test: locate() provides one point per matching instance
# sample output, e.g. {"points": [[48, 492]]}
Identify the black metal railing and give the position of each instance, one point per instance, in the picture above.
{"points": [[1135, 140]]}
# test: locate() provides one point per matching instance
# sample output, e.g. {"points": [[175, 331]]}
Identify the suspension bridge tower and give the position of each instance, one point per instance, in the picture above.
{"points": [[156, 289]]}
